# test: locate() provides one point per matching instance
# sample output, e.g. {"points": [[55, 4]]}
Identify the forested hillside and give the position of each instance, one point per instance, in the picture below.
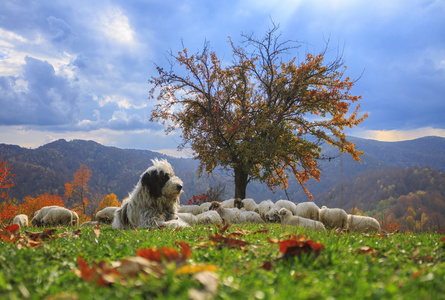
{"points": [[46, 169], [413, 197]]}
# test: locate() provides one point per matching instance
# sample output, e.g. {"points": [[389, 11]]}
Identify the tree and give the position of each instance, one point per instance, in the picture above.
{"points": [[78, 188], [32, 204], [6, 181], [107, 201], [260, 115]]}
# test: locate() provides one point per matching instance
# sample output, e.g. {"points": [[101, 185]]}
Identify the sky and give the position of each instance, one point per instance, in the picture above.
{"points": [[80, 69]]}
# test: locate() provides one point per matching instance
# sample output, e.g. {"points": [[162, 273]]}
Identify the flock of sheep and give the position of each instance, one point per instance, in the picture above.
{"points": [[305, 214]]}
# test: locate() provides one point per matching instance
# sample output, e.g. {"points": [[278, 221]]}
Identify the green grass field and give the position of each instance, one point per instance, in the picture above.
{"points": [[243, 262]]}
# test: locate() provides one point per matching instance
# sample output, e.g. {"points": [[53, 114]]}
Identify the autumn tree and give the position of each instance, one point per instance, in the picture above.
{"points": [[77, 190], [32, 204], [261, 114], [6, 181], [107, 201]]}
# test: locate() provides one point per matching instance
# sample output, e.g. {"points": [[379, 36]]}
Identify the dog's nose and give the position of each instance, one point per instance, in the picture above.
{"points": [[179, 187]]}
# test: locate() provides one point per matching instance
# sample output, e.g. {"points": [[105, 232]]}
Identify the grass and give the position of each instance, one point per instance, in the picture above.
{"points": [[400, 266]]}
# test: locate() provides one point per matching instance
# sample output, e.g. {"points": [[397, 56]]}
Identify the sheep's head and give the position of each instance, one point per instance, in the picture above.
{"points": [[273, 216], [238, 203], [215, 205], [283, 212]]}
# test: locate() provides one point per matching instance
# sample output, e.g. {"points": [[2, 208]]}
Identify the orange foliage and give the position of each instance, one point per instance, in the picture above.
{"points": [[8, 211], [32, 204], [77, 190], [5, 179], [109, 200]]}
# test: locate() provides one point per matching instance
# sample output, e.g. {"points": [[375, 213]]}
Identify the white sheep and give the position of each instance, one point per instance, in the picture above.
{"points": [[272, 215], [230, 215], [106, 215], [21, 220], [308, 210], [333, 217], [193, 209], [250, 205], [74, 218], [40, 214], [228, 203], [209, 217], [288, 219], [204, 207], [59, 216], [264, 207], [89, 223], [252, 217], [363, 224], [189, 218]]}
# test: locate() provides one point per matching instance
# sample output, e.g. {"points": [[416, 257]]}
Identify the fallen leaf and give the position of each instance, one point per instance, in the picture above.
{"points": [[267, 265], [366, 250], [192, 269], [96, 230], [209, 286]]}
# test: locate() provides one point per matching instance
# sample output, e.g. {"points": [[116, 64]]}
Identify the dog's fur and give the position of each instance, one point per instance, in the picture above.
{"points": [[154, 200]]}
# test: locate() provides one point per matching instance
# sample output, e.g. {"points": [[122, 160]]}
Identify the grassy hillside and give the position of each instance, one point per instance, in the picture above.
{"points": [[238, 262]]}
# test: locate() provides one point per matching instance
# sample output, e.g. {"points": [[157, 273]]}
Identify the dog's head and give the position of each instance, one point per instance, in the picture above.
{"points": [[160, 180]]}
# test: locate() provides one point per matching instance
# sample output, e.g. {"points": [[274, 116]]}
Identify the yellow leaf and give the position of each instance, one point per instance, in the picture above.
{"points": [[195, 269]]}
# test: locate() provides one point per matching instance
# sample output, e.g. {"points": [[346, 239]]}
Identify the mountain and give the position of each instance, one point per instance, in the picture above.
{"points": [[115, 170]]}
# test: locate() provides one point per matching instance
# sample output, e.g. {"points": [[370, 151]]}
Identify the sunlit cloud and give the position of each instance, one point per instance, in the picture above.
{"points": [[117, 26], [401, 135]]}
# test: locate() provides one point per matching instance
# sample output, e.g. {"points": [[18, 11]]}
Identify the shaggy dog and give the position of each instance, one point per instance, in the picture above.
{"points": [[154, 200]]}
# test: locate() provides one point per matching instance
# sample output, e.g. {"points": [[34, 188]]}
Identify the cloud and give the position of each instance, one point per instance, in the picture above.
{"points": [[38, 97], [402, 135], [117, 27]]}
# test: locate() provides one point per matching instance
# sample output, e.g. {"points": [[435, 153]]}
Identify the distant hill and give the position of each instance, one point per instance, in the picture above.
{"points": [[413, 197], [115, 170]]}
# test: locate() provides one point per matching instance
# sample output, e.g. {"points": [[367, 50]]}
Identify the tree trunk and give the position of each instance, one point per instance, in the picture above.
{"points": [[241, 180]]}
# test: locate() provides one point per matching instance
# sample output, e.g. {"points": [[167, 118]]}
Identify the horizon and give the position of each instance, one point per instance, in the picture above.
{"points": [[186, 153]]}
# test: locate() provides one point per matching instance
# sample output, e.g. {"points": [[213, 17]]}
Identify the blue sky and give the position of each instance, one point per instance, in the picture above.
{"points": [[79, 69]]}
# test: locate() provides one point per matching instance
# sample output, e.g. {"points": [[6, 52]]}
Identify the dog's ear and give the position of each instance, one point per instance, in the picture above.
{"points": [[155, 182]]}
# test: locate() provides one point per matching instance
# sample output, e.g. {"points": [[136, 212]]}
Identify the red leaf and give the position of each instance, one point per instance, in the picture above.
{"points": [[14, 229], [297, 245], [267, 266], [442, 240], [165, 253]]}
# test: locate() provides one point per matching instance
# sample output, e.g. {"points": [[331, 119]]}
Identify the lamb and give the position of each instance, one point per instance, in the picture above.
{"points": [[272, 215], [193, 209], [308, 210], [252, 217], [60, 216], [250, 204], [363, 224], [209, 217], [204, 207], [189, 218], [21, 220], [333, 217], [229, 215], [106, 215], [264, 207], [288, 219], [40, 214]]}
